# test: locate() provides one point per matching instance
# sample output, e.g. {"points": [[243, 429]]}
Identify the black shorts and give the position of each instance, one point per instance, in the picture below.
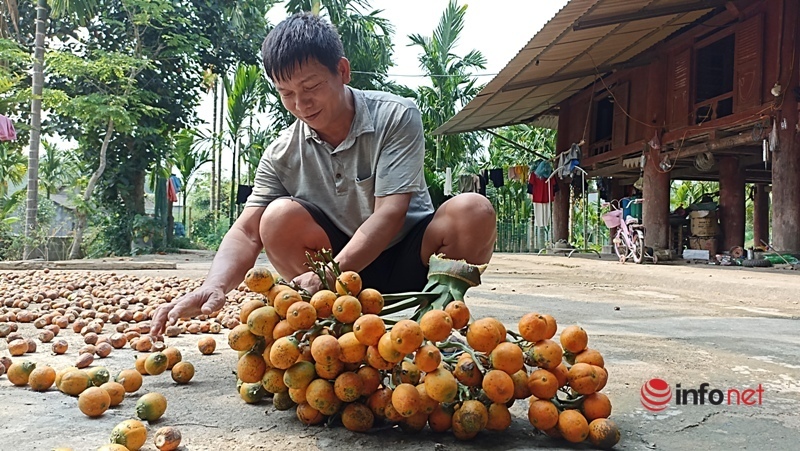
{"points": [[398, 269]]}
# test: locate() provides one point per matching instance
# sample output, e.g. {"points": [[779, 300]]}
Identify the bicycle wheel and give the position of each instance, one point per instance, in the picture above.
{"points": [[619, 246], [638, 247]]}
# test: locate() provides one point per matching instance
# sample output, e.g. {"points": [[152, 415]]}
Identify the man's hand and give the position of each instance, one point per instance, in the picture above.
{"points": [[204, 300], [310, 282]]}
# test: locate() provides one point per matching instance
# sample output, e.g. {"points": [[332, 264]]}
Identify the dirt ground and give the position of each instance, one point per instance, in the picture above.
{"points": [[688, 324]]}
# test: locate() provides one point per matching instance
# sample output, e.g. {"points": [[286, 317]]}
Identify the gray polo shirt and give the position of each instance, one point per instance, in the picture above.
{"points": [[383, 154]]}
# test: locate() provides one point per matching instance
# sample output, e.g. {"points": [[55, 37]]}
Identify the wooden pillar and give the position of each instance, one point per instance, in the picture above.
{"points": [[786, 158], [731, 202], [761, 215], [561, 203], [655, 209]]}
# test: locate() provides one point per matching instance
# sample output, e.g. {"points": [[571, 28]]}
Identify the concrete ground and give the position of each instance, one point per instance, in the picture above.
{"points": [[732, 328]]}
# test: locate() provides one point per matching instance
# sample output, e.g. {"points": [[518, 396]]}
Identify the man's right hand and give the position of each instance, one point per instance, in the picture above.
{"points": [[202, 301]]}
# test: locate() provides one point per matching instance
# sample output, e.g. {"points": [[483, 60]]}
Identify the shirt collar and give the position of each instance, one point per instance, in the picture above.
{"points": [[362, 122]]}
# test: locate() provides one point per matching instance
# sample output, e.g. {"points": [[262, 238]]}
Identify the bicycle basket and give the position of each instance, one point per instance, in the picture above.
{"points": [[613, 218]]}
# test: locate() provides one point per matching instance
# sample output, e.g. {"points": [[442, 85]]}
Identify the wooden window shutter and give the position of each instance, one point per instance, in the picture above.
{"points": [[620, 131], [678, 91], [749, 57]]}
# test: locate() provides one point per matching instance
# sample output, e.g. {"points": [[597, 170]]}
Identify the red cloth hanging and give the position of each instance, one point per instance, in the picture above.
{"points": [[172, 196], [7, 132], [540, 193]]}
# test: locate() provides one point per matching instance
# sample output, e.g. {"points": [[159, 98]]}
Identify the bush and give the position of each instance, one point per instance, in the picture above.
{"points": [[182, 242], [206, 233]]}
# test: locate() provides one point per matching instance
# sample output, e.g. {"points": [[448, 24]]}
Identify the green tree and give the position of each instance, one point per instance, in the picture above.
{"points": [[188, 157], [12, 167], [451, 87], [366, 37], [82, 10], [57, 168], [244, 93], [116, 105]]}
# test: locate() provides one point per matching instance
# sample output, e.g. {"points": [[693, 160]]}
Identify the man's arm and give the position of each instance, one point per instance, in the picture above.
{"points": [[375, 234], [237, 254]]}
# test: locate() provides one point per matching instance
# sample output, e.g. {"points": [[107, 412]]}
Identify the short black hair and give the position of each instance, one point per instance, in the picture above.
{"points": [[294, 41]]}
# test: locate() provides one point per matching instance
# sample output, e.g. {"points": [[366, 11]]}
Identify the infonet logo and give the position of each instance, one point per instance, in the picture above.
{"points": [[657, 393]]}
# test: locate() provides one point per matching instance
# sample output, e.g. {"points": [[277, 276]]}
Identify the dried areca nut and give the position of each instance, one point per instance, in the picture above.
{"points": [[158, 346], [13, 336], [78, 325], [90, 338], [193, 328], [54, 328], [117, 340], [24, 317], [84, 360], [204, 328], [17, 347], [214, 328], [113, 318], [144, 344], [103, 350], [88, 349], [5, 329], [126, 316], [31, 345], [144, 328], [46, 336], [5, 361], [60, 346], [133, 328], [139, 316], [172, 331], [40, 323], [103, 317], [121, 327]]}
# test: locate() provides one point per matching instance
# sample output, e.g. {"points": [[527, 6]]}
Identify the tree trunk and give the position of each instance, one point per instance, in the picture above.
{"points": [[219, 166], [87, 194], [36, 128], [185, 207], [232, 206], [138, 178], [212, 197]]}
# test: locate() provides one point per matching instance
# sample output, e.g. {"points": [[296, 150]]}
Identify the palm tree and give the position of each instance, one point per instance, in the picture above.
{"points": [[244, 93], [452, 86], [12, 167], [366, 37], [188, 157], [56, 169], [82, 10]]}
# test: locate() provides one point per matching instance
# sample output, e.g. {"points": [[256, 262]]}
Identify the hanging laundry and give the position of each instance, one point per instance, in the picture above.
{"points": [[176, 182], [496, 176], [544, 169], [542, 190], [469, 183], [567, 161], [484, 177], [172, 195], [448, 182], [522, 172], [7, 132]]}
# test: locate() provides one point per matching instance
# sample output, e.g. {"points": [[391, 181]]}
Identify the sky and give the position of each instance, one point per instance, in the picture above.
{"points": [[498, 28]]}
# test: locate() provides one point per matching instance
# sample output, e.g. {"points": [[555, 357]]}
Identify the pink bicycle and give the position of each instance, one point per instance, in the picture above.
{"points": [[629, 239]]}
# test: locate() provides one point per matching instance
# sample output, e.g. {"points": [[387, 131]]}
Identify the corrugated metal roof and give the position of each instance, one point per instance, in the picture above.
{"points": [[560, 61]]}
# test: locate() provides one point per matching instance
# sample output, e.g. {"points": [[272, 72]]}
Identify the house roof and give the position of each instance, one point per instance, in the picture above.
{"points": [[585, 39]]}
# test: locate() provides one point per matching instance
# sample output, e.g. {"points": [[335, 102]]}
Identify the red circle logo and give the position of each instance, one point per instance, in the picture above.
{"points": [[656, 395]]}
